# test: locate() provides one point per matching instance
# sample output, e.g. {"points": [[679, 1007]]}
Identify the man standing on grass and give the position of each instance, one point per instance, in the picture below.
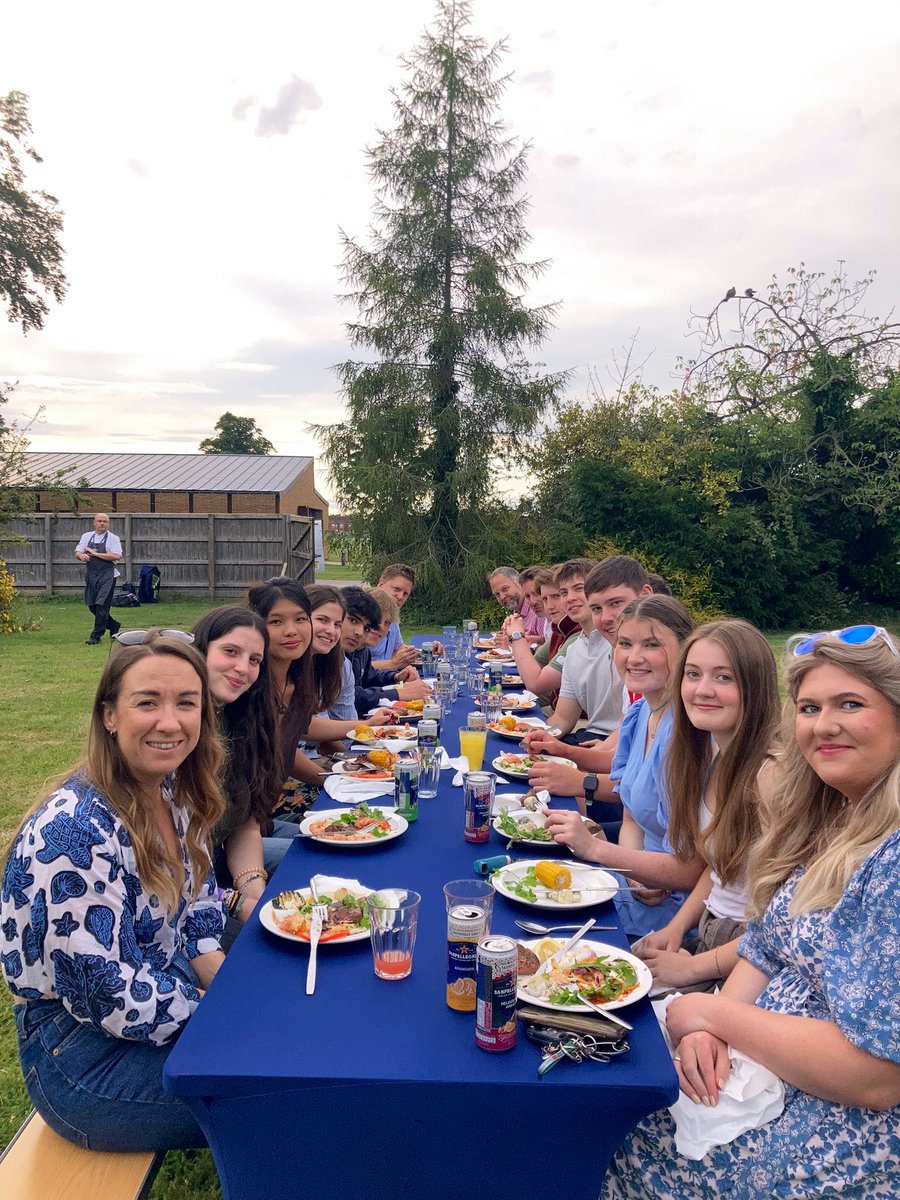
{"points": [[100, 550]]}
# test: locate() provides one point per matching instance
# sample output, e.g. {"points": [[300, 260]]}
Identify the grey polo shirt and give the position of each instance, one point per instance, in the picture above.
{"points": [[589, 676]]}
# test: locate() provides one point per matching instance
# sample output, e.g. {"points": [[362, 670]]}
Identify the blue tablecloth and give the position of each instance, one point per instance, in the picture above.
{"points": [[374, 1089]]}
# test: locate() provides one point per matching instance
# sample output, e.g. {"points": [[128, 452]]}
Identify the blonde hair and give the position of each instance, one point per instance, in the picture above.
{"points": [[810, 824], [197, 786], [390, 610]]}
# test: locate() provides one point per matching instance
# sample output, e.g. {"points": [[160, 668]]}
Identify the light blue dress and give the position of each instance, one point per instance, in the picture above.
{"points": [[837, 965], [639, 785]]}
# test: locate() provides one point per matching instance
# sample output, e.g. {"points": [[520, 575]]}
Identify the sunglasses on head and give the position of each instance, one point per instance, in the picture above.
{"points": [[853, 635], [134, 637]]}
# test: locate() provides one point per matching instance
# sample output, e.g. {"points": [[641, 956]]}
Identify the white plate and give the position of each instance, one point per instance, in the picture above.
{"points": [[506, 801], [340, 768], [267, 920], [407, 717], [513, 736], [495, 656], [596, 884], [398, 824], [393, 744], [523, 775], [645, 979], [511, 681], [539, 820]]}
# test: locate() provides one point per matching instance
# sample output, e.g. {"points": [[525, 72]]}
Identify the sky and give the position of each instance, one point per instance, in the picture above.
{"points": [[208, 155]]}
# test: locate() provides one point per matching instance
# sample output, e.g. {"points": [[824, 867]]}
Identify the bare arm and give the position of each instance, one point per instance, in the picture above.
{"points": [[567, 714], [206, 965], [244, 852]]}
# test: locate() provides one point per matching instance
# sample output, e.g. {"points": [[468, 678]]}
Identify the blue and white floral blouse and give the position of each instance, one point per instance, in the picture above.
{"points": [[78, 925]]}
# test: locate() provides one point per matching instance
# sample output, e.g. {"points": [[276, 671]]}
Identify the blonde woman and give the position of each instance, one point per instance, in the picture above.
{"points": [[110, 922], [815, 997]]}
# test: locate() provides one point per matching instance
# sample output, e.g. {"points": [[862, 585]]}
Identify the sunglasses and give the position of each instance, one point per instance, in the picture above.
{"points": [[853, 635], [135, 637]]}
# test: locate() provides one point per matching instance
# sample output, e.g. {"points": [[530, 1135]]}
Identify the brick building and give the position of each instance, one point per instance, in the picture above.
{"points": [[184, 483]]}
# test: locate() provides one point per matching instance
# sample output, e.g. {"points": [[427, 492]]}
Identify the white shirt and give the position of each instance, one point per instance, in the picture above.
{"points": [[589, 677], [113, 545]]}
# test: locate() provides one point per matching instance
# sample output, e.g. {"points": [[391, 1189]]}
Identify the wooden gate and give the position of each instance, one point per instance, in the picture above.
{"points": [[301, 560]]}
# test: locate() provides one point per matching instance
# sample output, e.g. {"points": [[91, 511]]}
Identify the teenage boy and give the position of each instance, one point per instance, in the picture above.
{"points": [[373, 687], [508, 592], [541, 672], [389, 652]]}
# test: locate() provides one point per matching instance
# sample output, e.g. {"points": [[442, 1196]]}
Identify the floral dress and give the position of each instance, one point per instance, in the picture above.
{"points": [[837, 965]]}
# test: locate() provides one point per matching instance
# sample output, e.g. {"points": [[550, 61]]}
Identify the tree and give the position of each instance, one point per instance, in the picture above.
{"points": [[236, 435], [30, 224], [438, 405]]}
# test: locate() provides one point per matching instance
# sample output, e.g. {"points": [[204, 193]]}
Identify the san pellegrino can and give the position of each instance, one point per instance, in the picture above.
{"points": [[495, 993], [466, 926], [431, 712]]}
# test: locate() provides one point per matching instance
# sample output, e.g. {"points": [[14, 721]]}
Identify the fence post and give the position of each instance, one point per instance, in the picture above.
{"points": [[48, 557], [211, 556]]}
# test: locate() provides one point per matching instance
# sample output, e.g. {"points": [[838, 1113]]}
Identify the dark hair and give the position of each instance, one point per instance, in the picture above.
{"points": [[328, 669], [401, 570], [361, 606], [252, 776], [659, 585], [726, 841], [295, 722], [545, 577], [575, 568], [616, 570], [531, 573]]}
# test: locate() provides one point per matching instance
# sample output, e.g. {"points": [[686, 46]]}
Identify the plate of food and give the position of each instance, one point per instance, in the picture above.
{"points": [[409, 710], [362, 825], [517, 766], [511, 680], [289, 915], [554, 885], [373, 764], [526, 827], [608, 976], [485, 643], [513, 729], [385, 737], [494, 656]]}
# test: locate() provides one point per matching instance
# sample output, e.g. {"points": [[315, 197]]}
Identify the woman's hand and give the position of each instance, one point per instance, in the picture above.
{"points": [[557, 778], [702, 1063], [666, 938], [569, 829], [383, 716], [648, 895], [689, 1014], [671, 968], [416, 689]]}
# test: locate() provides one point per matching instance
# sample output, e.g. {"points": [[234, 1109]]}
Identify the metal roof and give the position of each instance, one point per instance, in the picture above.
{"points": [[172, 472]]}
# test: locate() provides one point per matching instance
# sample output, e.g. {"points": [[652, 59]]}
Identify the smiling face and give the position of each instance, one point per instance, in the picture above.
{"points": [[156, 717], [289, 631], [645, 654], [326, 627], [552, 601], [574, 602], [531, 594], [847, 731], [233, 662], [507, 592], [606, 607], [398, 587], [709, 691]]}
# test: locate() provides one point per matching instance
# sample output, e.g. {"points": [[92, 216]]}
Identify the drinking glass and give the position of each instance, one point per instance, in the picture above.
{"points": [[492, 706], [471, 892], [429, 773], [444, 692], [392, 922], [472, 742], [474, 681]]}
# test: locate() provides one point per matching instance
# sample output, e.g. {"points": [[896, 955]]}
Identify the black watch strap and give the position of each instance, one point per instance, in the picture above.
{"points": [[591, 783]]}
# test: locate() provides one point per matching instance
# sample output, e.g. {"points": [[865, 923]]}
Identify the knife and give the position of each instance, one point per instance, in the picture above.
{"points": [[545, 965]]}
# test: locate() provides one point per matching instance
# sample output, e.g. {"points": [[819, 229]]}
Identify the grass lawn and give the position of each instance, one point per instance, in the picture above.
{"points": [[334, 570], [47, 685]]}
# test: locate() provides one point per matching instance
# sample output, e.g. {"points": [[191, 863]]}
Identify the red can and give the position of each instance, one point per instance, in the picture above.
{"points": [[495, 993], [479, 796]]}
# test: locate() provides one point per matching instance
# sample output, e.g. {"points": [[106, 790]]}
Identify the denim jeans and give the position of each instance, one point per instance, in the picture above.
{"points": [[100, 1092]]}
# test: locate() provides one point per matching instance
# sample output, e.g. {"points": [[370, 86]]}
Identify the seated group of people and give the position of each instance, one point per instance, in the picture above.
{"points": [[759, 861]]}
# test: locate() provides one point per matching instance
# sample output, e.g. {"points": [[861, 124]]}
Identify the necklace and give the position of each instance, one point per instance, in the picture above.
{"points": [[653, 712], [281, 704]]}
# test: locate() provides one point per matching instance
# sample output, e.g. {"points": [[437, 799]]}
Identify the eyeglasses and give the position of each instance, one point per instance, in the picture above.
{"points": [[135, 637], [853, 635]]}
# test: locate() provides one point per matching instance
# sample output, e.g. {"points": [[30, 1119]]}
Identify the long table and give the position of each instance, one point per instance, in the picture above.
{"points": [[375, 1089]]}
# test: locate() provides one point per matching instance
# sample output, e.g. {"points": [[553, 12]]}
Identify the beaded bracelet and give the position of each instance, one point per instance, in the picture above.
{"points": [[249, 873]]}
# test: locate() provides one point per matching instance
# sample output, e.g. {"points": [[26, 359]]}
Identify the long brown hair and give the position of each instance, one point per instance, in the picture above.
{"points": [[811, 824], [726, 841], [196, 779], [327, 668]]}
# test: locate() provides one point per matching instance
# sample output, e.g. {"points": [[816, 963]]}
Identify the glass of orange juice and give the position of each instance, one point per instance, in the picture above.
{"points": [[393, 915], [472, 740]]}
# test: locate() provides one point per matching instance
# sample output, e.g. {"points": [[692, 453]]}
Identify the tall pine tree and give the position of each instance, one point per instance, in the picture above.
{"points": [[442, 388]]}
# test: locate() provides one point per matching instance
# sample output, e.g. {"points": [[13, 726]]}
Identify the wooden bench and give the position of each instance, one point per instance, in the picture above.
{"points": [[40, 1165]]}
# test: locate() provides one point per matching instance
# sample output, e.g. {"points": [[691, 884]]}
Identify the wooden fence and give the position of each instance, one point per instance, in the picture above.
{"points": [[197, 554]]}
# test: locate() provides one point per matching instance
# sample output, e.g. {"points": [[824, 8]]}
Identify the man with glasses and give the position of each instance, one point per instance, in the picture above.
{"points": [[100, 550]]}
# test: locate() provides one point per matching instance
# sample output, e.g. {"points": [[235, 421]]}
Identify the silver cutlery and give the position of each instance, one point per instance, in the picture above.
{"points": [[598, 1008], [318, 919], [534, 927]]}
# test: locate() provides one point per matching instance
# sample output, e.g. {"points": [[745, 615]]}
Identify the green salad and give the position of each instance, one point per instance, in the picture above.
{"points": [[526, 831]]}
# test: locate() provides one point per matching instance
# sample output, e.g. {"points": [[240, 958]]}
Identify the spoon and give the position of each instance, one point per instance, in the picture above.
{"points": [[534, 927]]}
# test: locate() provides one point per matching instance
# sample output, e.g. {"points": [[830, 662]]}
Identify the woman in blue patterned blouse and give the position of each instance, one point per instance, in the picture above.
{"points": [[815, 995], [110, 922]]}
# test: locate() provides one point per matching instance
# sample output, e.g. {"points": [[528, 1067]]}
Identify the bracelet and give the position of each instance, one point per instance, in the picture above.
{"points": [[716, 961], [249, 879], [250, 872]]}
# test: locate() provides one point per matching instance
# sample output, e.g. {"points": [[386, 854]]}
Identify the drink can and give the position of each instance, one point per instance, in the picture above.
{"points": [[432, 712], [427, 659], [479, 794], [496, 670], [465, 928], [428, 733], [476, 720], [495, 993], [406, 789], [443, 668]]}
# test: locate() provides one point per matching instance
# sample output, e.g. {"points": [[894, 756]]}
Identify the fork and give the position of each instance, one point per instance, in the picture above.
{"points": [[318, 919]]}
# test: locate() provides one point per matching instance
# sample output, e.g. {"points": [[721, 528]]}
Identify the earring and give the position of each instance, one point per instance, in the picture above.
{"points": [[111, 732]]}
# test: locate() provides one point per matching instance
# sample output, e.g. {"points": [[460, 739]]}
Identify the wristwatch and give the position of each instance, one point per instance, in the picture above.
{"points": [[591, 783], [514, 637]]}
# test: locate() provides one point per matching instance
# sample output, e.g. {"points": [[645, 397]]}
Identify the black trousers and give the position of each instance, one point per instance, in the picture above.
{"points": [[102, 621]]}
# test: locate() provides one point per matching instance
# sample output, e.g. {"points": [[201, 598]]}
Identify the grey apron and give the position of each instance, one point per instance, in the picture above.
{"points": [[100, 581]]}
